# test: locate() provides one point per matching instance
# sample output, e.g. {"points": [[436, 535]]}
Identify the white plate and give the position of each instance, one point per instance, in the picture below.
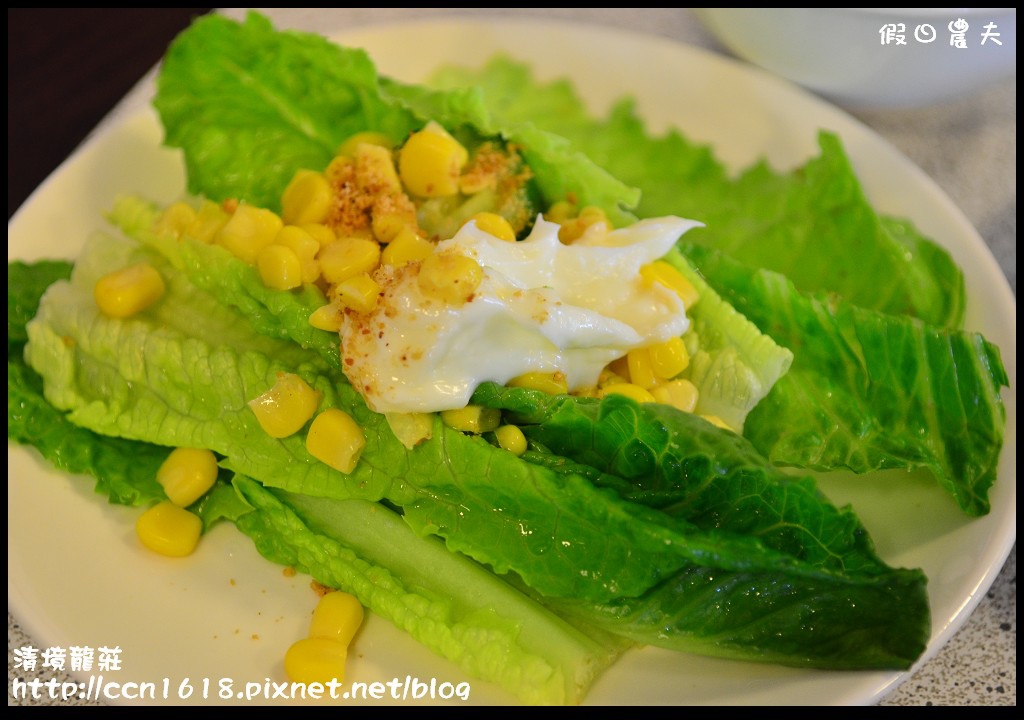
{"points": [[77, 577]]}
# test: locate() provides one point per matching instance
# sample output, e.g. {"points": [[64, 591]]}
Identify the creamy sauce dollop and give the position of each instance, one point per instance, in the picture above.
{"points": [[542, 306]]}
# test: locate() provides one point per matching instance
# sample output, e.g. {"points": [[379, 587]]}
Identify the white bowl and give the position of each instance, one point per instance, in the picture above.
{"points": [[842, 53]]}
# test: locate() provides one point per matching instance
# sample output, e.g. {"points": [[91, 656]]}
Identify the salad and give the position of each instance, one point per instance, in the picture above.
{"points": [[640, 496]]}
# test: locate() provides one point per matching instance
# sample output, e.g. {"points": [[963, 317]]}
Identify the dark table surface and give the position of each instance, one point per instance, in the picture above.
{"points": [[66, 68]]}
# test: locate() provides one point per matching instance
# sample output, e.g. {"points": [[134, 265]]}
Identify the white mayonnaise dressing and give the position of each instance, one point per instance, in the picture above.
{"points": [[542, 306]]}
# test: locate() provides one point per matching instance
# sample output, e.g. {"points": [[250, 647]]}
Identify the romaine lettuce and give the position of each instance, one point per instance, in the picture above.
{"points": [[886, 390], [253, 104], [125, 470], [447, 602], [249, 105]]}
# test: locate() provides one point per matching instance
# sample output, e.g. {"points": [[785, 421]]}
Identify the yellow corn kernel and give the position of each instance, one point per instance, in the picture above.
{"points": [[718, 422], [474, 182], [680, 394], [320, 232], [406, 247], [359, 293], [128, 291], [570, 230], [279, 267], [629, 390], [340, 169], [573, 228], [305, 247], [249, 230], [560, 212], [369, 137], [431, 161], [284, 409], [592, 215], [307, 199], [474, 419], [210, 218], [337, 616], [390, 215], [551, 383], [641, 372], [335, 439], [616, 372], [450, 277], [326, 317], [375, 170], [386, 226], [660, 271], [511, 438], [316, 660], [348, 257], [361, 233], [177, 219], [187, 474], [411, 428], [494, 224], [169, 529], [669, 358]]}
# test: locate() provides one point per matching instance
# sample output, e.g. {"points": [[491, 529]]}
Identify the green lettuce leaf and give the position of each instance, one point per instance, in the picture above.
{"points": [[734, 364], [868, 390], [691, 470], [26, 283], [179, 374], [250, 105], [124, 470], [872, 621], [444, 600], [231, 282], [695, 472]]}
